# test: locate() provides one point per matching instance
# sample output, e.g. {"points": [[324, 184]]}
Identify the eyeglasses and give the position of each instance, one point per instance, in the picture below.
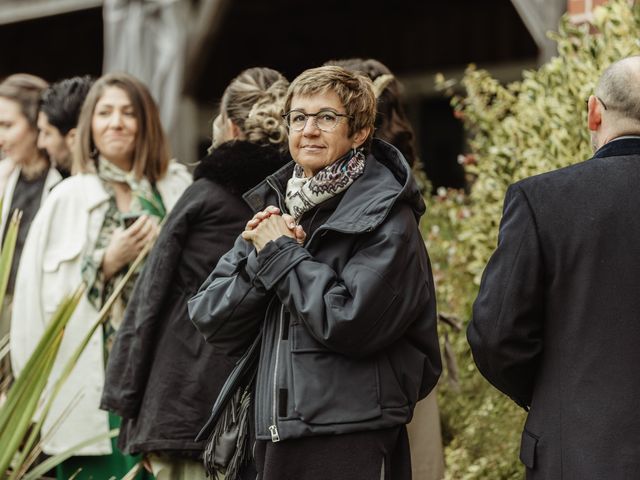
{"points": [[604, 105], [325, 120]]}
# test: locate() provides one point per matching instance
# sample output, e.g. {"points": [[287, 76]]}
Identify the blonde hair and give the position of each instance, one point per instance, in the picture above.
{"points": [[151, 155], [392, 124], [354, 90], [253, 102], [25, 90]]}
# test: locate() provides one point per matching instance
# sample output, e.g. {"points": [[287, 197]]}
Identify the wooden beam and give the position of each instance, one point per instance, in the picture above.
{"points": [[540, 17], [207, 19], [12, 11]]}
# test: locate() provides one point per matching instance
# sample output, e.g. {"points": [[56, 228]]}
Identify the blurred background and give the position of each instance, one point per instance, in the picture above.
{"points": [[188, 50]]}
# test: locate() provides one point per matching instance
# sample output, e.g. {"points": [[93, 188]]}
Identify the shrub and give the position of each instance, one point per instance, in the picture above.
{"points": [[515, 131]]}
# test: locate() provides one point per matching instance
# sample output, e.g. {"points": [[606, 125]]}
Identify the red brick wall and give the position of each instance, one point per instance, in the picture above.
{"points": [[581, 10]]}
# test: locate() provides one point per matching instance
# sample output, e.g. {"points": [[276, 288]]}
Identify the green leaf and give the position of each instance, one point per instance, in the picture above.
{"points": [[8, 248], [55, 460], [17, 412], [153, 206]]}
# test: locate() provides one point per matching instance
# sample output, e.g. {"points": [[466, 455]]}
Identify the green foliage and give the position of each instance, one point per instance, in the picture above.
{"points": [[24, 395], [18, 433], [153, 205], [515, 131], [6, 258], [6, 255], [51, 462]]}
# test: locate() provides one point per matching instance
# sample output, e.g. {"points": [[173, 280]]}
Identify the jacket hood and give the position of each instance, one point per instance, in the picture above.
{"points": [[240, 165], [387, 180]]}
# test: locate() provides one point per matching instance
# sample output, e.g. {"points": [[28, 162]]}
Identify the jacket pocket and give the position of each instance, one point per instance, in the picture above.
{"points": [[528, 445], [330, 388], [60, 275], [55, 257]]}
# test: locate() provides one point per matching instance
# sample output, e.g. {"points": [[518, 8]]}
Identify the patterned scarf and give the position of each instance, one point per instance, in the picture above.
{"points": [[304, 193], [144, 199], [140, 189]]}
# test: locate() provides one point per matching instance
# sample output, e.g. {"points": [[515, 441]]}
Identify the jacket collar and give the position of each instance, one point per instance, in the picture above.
{"points": [[386, 180], [94, 191], [239, 165], [619, 147]]}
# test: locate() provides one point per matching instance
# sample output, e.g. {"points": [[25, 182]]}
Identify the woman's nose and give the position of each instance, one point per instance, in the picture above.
{"points": [[115, 120], [310, 128]]}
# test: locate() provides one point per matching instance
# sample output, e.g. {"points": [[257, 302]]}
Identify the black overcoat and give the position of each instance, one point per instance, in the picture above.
{"points": [[162, 377], [556, 323]]}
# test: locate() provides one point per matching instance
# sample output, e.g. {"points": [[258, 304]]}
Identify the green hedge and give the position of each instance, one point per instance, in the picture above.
{"points": [[514, 131]]}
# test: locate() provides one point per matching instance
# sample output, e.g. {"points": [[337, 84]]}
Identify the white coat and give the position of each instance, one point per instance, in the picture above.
{"points": [[66, 226]]}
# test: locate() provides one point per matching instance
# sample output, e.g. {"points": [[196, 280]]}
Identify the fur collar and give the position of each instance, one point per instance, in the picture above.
{"points": [[240, 165]]}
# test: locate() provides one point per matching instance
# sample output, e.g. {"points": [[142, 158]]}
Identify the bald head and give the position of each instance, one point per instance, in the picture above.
{"points": [[619, 89]]}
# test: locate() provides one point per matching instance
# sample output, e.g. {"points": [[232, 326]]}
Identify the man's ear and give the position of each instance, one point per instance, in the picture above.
{"points": [[594, 114], [70, 138], [360, 136]]}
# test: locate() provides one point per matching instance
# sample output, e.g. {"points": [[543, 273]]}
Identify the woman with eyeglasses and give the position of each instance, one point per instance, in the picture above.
{"points": [[333, 278]]}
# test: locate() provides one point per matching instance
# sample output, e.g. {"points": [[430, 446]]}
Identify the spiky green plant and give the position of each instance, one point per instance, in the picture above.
{"points": [[515, 131], [8, 249], [18, 435], [6, 258], [24, 395]]}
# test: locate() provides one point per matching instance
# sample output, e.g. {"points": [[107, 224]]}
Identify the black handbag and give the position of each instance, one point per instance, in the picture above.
{"points": [[227, 430]]}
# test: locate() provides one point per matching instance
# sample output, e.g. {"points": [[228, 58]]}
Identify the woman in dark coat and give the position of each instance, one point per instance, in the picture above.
{"points": [[162, 377], [347, 319]]}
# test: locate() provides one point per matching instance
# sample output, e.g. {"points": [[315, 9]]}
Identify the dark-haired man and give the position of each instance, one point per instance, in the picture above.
{"points": [[556, 325], [59, 111]]}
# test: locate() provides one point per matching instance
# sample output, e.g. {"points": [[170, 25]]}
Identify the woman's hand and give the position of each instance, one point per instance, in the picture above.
{"points": [[296, 230], [258, 217], [125, 245], [269, 229]]}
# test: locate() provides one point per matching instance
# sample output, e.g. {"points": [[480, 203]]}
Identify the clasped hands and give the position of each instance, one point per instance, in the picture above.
{"points": [[270, 224]]}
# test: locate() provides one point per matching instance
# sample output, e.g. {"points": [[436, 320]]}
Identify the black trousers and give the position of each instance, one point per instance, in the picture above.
{"points": [[373, 455]]}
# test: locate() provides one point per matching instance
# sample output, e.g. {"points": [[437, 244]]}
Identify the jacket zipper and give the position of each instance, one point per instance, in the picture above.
{"points": [[273, 428], [282, 209]]}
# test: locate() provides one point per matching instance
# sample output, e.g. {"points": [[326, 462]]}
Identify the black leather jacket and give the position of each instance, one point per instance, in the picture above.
{"points": [[348, 320]]}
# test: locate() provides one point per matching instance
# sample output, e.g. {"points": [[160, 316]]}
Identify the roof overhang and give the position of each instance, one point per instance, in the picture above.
{"points": [[12, 11]]}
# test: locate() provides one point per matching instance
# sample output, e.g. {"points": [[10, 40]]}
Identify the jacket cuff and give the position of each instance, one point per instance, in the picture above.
{"points": [[110, 405], [250, 264], [276, 259]]}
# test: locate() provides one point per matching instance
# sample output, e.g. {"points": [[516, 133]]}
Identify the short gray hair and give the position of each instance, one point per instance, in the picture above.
{"points": [[619, 88]]}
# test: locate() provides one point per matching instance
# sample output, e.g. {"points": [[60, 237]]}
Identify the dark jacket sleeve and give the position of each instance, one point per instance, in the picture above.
{"points": [[505, 333], [134, 347], [229, 307], [382, 289]]}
